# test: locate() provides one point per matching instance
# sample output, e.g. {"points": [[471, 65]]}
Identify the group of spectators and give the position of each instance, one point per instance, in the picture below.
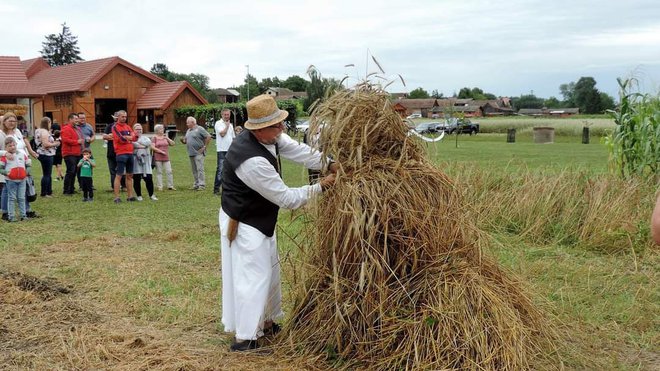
{"points": [[132, 157]]}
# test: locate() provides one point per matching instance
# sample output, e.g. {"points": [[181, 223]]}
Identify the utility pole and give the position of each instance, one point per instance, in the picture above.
{"points": [[247, 81]]}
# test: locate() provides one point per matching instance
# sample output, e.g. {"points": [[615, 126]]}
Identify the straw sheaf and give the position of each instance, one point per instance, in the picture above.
{"points": [[394, 276]]}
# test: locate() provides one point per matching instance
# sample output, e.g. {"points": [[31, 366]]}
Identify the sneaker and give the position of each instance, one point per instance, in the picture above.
{"points": [[171, 189], [5, 216], [32, 214], [131, 199], [90, 199], [139, 198], [84, 199], [245, 345], [24, 218], [154, 198], [117, 200], [200, 188], [159, 189]]}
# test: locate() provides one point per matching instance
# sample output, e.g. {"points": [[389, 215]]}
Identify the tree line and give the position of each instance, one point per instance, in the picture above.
{"points": [[60, 49]]}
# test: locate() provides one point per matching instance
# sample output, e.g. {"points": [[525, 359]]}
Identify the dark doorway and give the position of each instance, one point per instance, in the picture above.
{"points": [[105, 108], [146, 118]]}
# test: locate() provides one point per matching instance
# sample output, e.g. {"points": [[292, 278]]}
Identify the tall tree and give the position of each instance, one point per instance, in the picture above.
{"points": [[295, 83], [61, 49], [464, 93], [199, 81], [527, 101], [161, 70], [250, 88], [606, 101], [435, 94], [586, 96], [552, 102], [566, 91], [269, 82], [318, 87], [419, 93]]}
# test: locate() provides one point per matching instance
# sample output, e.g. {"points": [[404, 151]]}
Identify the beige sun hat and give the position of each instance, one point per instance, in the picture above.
{"points": [[263, 112]]}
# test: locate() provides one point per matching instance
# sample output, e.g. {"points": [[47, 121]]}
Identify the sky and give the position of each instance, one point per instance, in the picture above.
{"points": [[507, 48]]}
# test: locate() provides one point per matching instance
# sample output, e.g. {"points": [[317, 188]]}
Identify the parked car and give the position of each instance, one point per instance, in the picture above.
{"points": [[302, 126], [460, 126], [427, 127], [414, 116]]}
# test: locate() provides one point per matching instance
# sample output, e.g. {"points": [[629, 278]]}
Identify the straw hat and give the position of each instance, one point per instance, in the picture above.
{"points": [[263, 112]]}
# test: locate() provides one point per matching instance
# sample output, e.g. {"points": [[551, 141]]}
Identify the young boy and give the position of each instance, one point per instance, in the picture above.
{"points": [[86, 165], [15, 167]]}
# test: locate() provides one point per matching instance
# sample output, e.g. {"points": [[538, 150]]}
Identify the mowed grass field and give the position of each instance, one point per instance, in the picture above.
{"points": [[137, 286]]}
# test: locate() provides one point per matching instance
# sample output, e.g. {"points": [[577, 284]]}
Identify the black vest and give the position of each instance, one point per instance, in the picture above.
{"points": [[238, 200]]}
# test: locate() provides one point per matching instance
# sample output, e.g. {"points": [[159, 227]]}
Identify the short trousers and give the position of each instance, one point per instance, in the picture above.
{"points": [[124, 164]]}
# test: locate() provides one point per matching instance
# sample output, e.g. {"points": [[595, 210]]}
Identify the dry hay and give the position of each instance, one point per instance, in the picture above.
{"points": [[45, 325], [394, 277]]}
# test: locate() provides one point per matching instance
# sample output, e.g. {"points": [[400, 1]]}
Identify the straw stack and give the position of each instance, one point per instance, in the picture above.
{"points": [[394, 277]]}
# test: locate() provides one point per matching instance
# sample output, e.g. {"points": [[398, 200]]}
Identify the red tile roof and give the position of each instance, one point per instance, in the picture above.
{"points": [[34, 65], [13, 81], [81, 76], [160, 96]]}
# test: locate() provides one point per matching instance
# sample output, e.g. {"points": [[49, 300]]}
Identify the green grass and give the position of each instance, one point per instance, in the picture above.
{"points": [[158, 262]]}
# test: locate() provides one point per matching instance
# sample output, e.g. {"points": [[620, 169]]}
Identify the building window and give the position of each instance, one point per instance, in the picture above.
{"points": [[63, 100]]}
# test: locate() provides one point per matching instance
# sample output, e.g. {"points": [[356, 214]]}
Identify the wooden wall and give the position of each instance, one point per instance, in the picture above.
{"points": [[186, 98], [122, 83]]}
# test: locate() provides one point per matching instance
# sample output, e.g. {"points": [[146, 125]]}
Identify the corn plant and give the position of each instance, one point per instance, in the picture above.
{"points": [[634, 145]]}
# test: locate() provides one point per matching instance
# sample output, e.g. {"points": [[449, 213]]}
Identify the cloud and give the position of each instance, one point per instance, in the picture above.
{"points": [[506, 48]]}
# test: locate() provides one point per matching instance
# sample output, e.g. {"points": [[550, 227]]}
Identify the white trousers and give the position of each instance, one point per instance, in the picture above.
{"points": [[164, 166], [251, 289]]}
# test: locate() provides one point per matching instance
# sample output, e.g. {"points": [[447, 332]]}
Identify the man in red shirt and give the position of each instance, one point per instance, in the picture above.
{"points": [[72, 143], [122, 140]]}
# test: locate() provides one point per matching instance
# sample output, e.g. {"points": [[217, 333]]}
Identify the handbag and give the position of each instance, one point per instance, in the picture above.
{"points": [[30, 190]]}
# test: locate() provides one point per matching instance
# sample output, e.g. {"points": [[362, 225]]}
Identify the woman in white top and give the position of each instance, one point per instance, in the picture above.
{"points": [[142, 163], [46, 147], [8, 129]]}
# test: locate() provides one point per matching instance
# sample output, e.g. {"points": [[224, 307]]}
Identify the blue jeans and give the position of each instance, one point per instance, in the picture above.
{"points": [[218, 171], [4, 197], [46, 179], [15, 193]]}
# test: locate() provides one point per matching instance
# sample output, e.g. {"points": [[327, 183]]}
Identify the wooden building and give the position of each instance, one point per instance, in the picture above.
{"points": [[103, 86]]}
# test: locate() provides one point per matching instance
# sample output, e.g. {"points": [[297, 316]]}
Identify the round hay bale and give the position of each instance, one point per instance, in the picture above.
{"points": [[544, 135]]}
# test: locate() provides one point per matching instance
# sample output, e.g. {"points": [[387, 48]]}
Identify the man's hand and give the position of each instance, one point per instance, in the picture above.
{"points": [[327, 182], [334, 167], [80, 141]]}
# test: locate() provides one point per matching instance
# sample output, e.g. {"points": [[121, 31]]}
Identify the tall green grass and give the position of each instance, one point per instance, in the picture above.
{"points": [[598, 212]]}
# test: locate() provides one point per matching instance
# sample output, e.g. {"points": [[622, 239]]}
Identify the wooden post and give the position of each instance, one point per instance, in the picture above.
{"points": [[585, 135], [511, 136]]}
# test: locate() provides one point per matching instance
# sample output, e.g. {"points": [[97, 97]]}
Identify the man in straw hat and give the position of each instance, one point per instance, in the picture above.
{"points": [[252, 194]]}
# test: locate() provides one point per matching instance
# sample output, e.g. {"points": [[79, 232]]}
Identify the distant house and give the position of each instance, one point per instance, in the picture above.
{"points": [[399, 95], [536, 112], [227, 95], [98, 87], [284, 93], [554, 112], [563, 112], [419, 106], [16, 93]]}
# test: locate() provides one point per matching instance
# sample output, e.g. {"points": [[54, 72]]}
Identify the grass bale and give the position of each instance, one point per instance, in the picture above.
{"points": [[394, 276]]}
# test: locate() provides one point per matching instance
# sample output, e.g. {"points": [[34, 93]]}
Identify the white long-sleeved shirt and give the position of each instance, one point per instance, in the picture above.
{"points": [[258, 174]]}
